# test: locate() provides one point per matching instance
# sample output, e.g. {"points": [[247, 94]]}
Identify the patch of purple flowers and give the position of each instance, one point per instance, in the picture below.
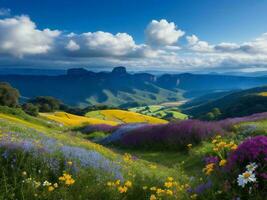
{"points": [[251, 150], [99, 128], [172, 135]]}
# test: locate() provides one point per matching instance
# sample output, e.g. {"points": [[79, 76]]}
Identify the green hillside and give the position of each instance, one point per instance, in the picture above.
{"points": [[159, 111], [235, 104]]}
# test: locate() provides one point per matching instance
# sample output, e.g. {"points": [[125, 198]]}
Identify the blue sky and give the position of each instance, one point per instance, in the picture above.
{"points": [[235, 22]]}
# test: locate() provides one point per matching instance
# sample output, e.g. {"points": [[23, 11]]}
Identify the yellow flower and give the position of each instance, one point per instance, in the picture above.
{"points": [[168, 184], [189, 146], [55, 185], [109, 184], [128, 184], [214, 141], [153, 188], [209, 168], [118, 182], [170, 179], [24, 173], [234, 147], [152, 197], [122, 189], [50, 188], [159, 191], [69, 163], [169, 192], [222, 163]]}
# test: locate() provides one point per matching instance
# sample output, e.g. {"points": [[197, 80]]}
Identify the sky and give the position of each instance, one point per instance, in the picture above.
{"points": [[173, 35]]}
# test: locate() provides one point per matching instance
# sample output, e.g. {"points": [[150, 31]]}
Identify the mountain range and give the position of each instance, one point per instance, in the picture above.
{"points": [[120, 88]]}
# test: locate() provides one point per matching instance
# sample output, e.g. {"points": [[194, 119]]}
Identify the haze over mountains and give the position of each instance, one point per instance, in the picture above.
{"points": [[120, 88]]}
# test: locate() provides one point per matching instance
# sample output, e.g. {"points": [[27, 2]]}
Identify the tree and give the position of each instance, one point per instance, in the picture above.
{"points": [[9, 96], [216, 112], [30, 109], [46, 103]]}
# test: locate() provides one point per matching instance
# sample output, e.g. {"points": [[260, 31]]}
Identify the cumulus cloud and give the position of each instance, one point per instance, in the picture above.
{"points": [[4, 11], [161, 33], [19, 36], [72, 46], [22, 43], [197, 45], [108, 44]]}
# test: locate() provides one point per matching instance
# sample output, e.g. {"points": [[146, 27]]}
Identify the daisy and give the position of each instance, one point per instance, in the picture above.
{"points": [[246, 177]]}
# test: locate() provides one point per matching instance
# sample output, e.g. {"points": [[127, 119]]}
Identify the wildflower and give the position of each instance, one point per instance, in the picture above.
{"points": [[222, 163], [246, 177], [159, 191], [69, 163], [169, 192], [127, 158], [170, 179], [122, 189], [128, 184], [234, 147], [110, 184], [209, 168], [67, 178], [152, 197], [51, 188], [55, 185], [251, 167], [168, 184], [118, 182], [24, 173], [153, 188], [189, 146], [46, 183]]}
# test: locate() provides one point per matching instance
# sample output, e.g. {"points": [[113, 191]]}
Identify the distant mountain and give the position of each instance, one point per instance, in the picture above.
{"points": [[120, 88], [233, 104]]}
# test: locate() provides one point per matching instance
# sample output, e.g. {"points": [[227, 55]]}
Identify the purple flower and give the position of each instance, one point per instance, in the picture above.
{"points": [[251, 150]]}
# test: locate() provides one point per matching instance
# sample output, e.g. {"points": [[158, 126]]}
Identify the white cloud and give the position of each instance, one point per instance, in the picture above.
{"points": [[19, 36], [22, 43], [161, 33], [104, 43], [4, 11], [197, 45], [72, 46]]}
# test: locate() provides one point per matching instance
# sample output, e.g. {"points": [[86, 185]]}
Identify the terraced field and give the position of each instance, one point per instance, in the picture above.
{"points": [[121, 116]]}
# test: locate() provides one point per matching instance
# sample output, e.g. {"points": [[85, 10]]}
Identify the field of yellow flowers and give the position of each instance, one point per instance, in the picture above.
{"points": [[121, 116], [40, 159]]}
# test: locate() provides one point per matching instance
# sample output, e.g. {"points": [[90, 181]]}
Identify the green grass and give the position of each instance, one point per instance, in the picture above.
{"points": [[159, 111]]}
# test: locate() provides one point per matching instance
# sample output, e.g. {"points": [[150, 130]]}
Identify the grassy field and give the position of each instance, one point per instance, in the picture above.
{"points": [[160, 111], [121, 116], [75, 120], [42, 160]]}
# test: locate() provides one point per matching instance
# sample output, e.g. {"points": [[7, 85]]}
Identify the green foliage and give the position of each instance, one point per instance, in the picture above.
{"points": [[30, 109], [46, 103], [8, 95]]}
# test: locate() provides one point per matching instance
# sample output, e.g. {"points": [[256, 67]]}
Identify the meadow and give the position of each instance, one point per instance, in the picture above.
{"points": [[52, 157]]}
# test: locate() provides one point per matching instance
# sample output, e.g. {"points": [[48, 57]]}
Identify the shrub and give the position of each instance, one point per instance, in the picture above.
{"points": [[30, 109], [8, 95]]}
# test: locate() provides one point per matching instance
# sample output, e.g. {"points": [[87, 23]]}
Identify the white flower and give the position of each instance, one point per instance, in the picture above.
{"points": [[251, 167], [46, 183], [246, 177]]}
